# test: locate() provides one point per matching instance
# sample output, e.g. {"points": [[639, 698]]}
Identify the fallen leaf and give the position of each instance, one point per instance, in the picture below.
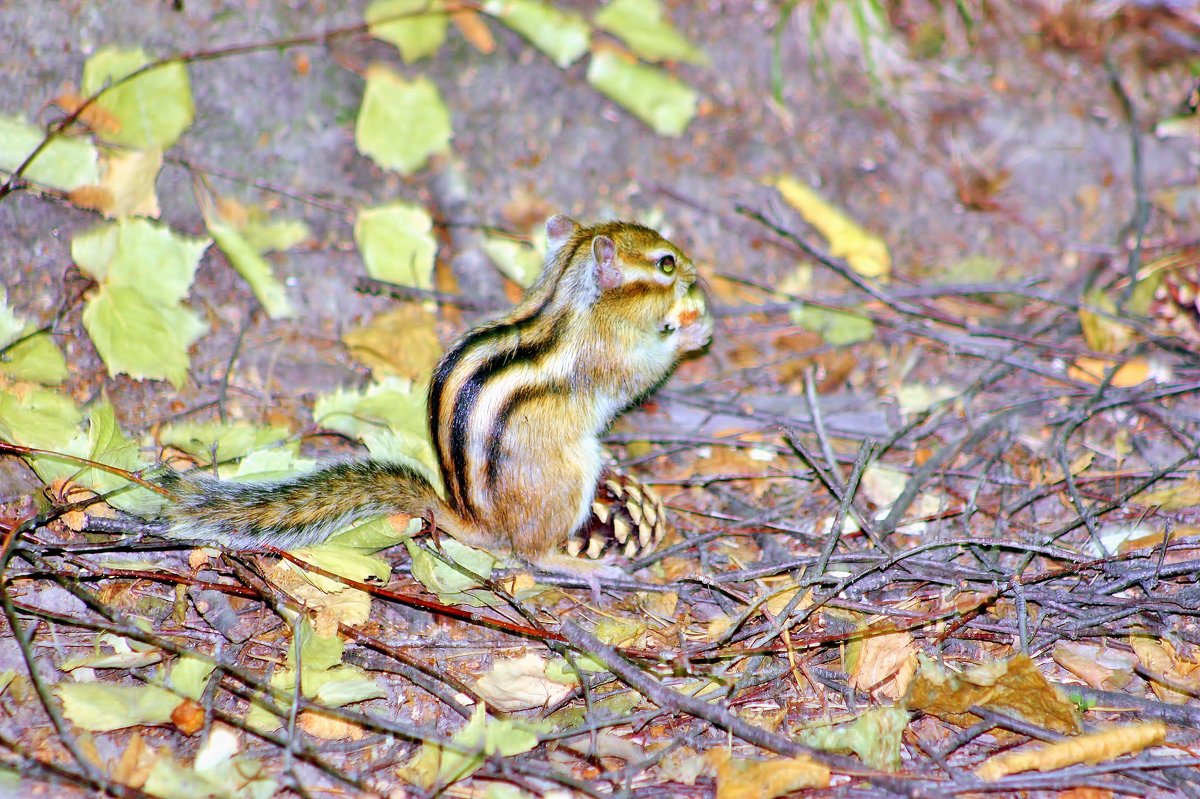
{"points": [[1100, 667], [640, 24], [154, 109], [521, 684], [474, 30], [738, 778], [401, 123], [1133, 372], [401, 341], [1092, 748], [1011, 686], [659, 99], [866, 253], [883, 663], [875, 736], [562, 35], [417, 27]]}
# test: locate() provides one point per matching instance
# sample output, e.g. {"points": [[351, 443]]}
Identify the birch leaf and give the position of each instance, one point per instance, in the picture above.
{"points": [[154, 108], [562, 35], [397, 243], [663, 102], [401, 123], [64, 164], [643, 28], [417, 27]]}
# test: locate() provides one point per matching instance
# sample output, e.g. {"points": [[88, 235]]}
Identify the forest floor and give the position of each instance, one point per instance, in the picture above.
{"points": [[1001, 413]]}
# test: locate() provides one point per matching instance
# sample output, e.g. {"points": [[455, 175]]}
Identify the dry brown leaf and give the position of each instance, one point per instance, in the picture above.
{"points": [[348, 605], [1012, 686], [764, 779], [1159, 657], [520, 684], [884, 664], [328, 728], [740, 461], [1099, 667], [1093, 748], [135, 763], [474, 30], [401, 341]]}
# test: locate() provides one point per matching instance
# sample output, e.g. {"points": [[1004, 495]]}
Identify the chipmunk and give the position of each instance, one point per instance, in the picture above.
{"points": [[516, 410]]}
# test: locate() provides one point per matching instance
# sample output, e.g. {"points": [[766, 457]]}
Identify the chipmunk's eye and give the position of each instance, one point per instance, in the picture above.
{"points": [[666, 264]]}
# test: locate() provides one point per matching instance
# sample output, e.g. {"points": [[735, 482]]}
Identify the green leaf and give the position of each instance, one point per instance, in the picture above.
{"points": [[215, 773], [317, 652], [640, 24], [36, 359], [136, 320], [154, 108], [836, 327], [483, 736], [101, 707], [874, 736], [396, 243], [401, 123], [266, 235], [228, 441], [253, 267], [346, 562], [519, 262], [107, 444], [136, 337], [36, 417], [562, 35], [140, 254], [417, 34], [65, 164], [663, 102], [441, 578], [189, 676]]}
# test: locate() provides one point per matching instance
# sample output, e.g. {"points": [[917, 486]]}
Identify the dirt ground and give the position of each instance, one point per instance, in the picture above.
{"points": [[996, 151]]}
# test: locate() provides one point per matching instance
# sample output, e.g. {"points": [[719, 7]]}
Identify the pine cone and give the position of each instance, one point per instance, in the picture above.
{"points": [[628, 519], [1177, 299]]}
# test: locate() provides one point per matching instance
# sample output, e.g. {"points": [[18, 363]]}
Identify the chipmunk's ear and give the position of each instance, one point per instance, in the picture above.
{"points": [[559, 230], [604, 251]]}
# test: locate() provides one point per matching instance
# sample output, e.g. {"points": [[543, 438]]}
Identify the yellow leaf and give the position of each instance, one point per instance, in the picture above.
{"points": [[884, 663], [328, 728], [1101, 332], [1099, 667], [401, 341], [1132, 373], [1178, 497], [1092, 748], [1009, 686], [1159, 657], [764, 779], [866, 253]]}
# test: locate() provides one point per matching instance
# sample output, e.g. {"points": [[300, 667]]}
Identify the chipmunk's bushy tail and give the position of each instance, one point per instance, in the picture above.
{"points": [[297, 511]]}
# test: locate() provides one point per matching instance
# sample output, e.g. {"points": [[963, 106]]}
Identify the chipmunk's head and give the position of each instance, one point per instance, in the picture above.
{"points": [[623, 269]]}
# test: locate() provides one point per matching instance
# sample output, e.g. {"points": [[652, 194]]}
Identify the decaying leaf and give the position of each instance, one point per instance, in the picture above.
{"points": [[1100, 667], [1179, 496], [883, 663], [482, 736], [1093, 748], [874, 736], [127, 188], [1007, 686], [401, 342], [738, 778], [1160, 658], [1132, 372]]}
